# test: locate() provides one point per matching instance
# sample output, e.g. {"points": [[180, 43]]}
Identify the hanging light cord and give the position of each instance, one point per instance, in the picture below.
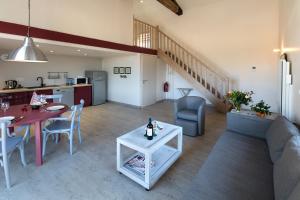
{"points": [[28, 28]]}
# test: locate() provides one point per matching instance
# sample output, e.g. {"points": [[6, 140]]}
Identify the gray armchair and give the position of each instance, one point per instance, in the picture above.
{"points": [[189, 113]]}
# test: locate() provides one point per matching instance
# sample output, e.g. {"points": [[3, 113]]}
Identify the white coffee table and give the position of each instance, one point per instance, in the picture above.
{"points": [[156, 150]]}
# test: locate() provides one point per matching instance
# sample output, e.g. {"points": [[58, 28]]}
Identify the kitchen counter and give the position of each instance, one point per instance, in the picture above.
{"points": [[6, 91]]}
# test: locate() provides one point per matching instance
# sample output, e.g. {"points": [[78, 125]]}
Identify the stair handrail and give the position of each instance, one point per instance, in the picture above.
{"points": [[224, 77], [148, 36]]}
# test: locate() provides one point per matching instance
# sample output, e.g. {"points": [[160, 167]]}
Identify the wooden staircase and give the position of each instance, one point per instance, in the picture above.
{"points": [[213, 85]]}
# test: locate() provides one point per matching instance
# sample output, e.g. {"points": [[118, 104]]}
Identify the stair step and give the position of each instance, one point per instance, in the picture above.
{"points": [[194, 74], [208, 86]]}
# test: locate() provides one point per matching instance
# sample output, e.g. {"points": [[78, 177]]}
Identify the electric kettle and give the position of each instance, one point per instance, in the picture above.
{"points": [[11, 84]]}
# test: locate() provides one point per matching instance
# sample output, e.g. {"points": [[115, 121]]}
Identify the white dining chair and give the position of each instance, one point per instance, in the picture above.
{"points": [[65, 125], [55, 97], [8, 145]]}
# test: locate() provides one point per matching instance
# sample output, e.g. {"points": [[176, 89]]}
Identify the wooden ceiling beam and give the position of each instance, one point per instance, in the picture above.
{"points": [[172, 5]]}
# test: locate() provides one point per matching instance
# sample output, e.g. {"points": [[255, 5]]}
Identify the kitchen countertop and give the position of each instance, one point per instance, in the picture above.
{"points": [[41, 88]]}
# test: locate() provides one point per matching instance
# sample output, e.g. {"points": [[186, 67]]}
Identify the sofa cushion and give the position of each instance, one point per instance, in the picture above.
{"points": [[287, 169], [188, 114], [239, 167], [277, 136], [296, 193]]}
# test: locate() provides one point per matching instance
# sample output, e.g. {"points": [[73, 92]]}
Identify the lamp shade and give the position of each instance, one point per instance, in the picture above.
{"points": [[28, 52]]}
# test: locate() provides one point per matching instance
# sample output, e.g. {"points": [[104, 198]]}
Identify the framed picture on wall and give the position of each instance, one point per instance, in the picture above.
{"points": [[116, 70], [122, 70], [128, 70]]}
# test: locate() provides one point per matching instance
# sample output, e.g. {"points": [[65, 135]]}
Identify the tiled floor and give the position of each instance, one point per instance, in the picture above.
{"points": [[91, 172]]}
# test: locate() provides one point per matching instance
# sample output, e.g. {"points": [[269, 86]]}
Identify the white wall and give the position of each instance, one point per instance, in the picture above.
{"points": [[160, 79], [109, 20], [26, 73], [290, 44], [231, 35], [176, 81], [124, 90]]}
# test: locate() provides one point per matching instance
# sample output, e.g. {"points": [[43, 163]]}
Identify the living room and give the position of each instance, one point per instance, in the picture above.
{"points": [[150, 99]]}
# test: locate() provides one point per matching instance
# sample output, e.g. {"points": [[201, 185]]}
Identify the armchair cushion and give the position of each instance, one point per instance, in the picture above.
{"points": [[188, 114]]}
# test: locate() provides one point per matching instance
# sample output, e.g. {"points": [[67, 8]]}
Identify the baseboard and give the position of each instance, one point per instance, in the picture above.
{"points": [[124, 104]]}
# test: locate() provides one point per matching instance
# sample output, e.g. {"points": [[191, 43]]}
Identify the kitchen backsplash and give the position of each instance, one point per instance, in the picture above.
{"points": [[26, 73]]}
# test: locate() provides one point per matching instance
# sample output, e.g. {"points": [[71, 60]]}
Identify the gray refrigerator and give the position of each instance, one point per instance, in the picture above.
{"points": [[98, 79]]}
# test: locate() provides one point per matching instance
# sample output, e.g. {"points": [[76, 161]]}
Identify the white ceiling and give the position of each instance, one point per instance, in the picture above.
{"points": [[10, 42]]}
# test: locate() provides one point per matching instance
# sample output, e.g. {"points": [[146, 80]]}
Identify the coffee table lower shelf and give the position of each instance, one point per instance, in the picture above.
{"points": [[163, 158]]}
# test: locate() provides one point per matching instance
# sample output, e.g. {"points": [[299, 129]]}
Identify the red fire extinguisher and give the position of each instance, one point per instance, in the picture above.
{"points": [[166, 87]]}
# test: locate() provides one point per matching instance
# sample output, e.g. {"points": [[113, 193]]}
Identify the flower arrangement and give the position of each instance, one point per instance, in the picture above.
{"points": [[261, 108], [238, 98]]}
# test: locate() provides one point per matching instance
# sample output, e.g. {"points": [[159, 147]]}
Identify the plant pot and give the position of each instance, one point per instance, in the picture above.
{"points": [[261, 115]]}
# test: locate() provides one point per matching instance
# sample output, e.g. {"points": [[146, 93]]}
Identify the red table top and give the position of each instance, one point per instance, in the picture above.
{"points": [[30, 116]]}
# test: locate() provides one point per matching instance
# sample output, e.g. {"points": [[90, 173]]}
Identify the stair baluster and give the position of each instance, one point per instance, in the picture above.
{"points": [[213, 84]]}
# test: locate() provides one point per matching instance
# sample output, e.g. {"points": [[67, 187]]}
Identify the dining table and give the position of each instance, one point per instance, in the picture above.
{"points": [[25, 115]]}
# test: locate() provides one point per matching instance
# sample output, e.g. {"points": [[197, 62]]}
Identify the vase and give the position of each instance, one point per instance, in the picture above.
{"points": [[261, 115]]}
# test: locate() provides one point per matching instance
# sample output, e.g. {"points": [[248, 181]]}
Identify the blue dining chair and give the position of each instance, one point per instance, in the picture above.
{"points": [[8, 145], [65, 126]]}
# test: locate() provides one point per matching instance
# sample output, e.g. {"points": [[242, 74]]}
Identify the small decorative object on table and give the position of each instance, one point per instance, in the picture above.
{"points": [[37, 101], [238, 98], [262, 109]]}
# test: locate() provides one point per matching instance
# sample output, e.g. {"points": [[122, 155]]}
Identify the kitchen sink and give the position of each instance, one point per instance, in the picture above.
{"points": [[33, 87], [46, 86], [52, 86]]}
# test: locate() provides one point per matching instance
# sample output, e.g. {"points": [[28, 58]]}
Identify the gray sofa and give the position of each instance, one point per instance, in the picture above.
{"points": [[260, 162], [189, 113]]}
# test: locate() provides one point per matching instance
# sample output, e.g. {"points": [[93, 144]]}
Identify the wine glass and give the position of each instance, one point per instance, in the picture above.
{"points": [[5, 106], [43, 99]]}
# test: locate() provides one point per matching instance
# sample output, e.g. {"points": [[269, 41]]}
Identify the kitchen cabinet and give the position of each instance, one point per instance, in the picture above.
{"points": [[84, 93], [17, 98], [24, 97]]}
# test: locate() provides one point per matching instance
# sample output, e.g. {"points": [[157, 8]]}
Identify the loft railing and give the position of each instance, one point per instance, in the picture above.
{"points": [[148, 36], [144, 35]]}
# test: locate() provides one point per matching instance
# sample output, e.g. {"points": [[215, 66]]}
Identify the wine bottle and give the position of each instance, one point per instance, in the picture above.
{"points": [[149, 130]]}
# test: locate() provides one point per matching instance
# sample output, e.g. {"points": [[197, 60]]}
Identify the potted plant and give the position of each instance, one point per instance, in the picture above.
{"points": [[261, 108], [238, 98]]}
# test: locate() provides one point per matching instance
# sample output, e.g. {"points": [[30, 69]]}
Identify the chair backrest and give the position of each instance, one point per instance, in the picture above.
{"points": [[56, 97], [192, 102], [76, 113], [3, 124]]}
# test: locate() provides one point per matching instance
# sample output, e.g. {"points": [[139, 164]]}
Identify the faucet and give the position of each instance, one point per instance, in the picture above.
{"points": [[42, 81]]}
